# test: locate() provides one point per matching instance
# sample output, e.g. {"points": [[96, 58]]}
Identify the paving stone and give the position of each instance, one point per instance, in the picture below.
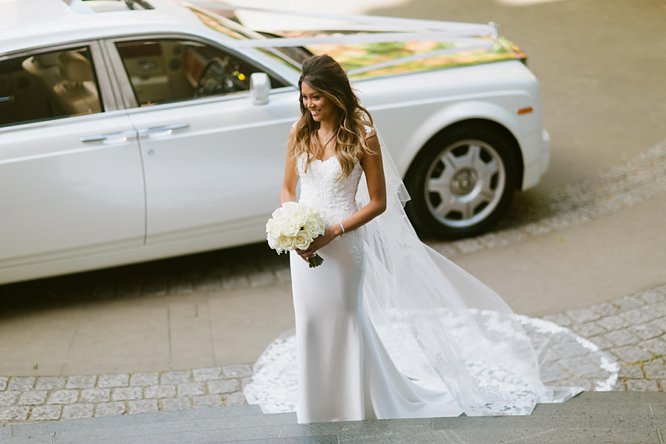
{"points": [[46, 413], [284, 275], [640, 315], [110, 408], [589, 329], [537, 229], [659, 309], [111, 381], [655, 369], [126, 393], [191, 389], [77, 411], [206, 374], [177, 377], [581, 315], [236, 371], [631, 354], [206, 401], [646, 331], [223, 386], [262, 278], [181, 287], [14, 413], [95, 395], [656, 346], [33, 397], [602, 342], [9, 398], [81, 381], [50, 382], [209, 284], [654, 296], [631, 371], [169, 404], [605, 309], [142, 406], [232, 399], [160, 391], [622, 337], [63, 397], [21, 383], [143, 379], [155, 288], [3, 382], [627, 303], [660, 323], [642, 385], [469, 245], [614, 322], [235, 282]]}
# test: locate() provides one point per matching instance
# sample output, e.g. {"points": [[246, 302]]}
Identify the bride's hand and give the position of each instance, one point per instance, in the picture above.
{"points": [[317, 243]]}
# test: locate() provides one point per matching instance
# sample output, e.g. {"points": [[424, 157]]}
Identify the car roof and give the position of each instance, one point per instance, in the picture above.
{"points": [[34, 23]]}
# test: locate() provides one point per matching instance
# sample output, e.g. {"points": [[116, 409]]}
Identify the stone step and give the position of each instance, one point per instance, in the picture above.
{"points": [[589, 418]]}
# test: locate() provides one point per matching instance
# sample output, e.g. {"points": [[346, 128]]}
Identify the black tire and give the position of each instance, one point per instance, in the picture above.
{"points": [[461, 182]]}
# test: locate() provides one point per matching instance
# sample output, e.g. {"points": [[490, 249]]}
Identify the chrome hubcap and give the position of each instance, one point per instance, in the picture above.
{"points": [[464, 183]]}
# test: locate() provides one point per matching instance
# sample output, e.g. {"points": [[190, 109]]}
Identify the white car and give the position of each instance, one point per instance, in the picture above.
{"points": [[144, 129]]}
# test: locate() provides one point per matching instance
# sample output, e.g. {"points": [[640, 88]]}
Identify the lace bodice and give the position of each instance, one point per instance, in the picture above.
{"points": [[323, 188]]}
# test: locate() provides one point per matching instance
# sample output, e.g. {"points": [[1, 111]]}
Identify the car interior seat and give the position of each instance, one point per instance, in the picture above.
{"points": [[45, 70], [77, 92]]}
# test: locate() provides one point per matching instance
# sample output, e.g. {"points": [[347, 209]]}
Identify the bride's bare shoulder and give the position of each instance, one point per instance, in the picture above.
{"points": [[370, 132]]}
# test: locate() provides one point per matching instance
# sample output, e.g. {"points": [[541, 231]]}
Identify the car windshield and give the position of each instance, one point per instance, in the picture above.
{"points": [[364, 46], [225, 20]]}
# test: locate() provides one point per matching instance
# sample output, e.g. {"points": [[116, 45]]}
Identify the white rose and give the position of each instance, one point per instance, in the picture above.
{"points": [[302, 241], [314, 228]]}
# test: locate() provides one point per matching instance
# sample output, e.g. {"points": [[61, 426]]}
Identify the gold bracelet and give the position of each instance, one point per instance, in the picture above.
{"points": [[342, 227]]}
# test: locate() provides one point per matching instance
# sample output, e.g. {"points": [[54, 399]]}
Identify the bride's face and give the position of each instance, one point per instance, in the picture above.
{"points": [[317, 104]]}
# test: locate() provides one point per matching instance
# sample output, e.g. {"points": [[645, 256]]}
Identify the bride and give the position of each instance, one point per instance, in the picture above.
{"points": [[387, 327]]}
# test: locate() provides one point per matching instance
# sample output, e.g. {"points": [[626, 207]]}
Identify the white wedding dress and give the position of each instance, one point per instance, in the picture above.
{"points": [[388, 328]]}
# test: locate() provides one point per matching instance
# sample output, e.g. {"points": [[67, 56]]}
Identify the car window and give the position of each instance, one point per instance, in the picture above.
{"points": [[169, 70], [48, 85]]}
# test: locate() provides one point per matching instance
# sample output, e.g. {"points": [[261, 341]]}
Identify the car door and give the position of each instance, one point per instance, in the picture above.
{"points": [[213, 160], [70, 170]]}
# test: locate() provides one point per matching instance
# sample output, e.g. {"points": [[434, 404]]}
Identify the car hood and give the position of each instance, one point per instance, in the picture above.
{"points": [[365, 46]]}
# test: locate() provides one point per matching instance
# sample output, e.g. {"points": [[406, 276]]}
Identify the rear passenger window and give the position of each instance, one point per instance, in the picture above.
{"points": [[169, 70], [48, 85]]}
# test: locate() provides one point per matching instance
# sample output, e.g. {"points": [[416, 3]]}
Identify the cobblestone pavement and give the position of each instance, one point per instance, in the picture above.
{"points": [[632, 329]]}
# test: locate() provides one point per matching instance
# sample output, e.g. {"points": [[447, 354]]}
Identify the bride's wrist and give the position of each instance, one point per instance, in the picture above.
{"points": [[339, 229]]}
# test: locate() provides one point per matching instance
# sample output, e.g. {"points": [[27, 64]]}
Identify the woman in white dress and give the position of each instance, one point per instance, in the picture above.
{"points": [[386, 327]]}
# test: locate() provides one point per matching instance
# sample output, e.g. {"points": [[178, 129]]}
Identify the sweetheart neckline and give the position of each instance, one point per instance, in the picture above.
{"points": [[325, 160]]}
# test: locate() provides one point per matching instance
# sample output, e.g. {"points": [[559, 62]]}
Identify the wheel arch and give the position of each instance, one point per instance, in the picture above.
{"points": [[479, 114]]}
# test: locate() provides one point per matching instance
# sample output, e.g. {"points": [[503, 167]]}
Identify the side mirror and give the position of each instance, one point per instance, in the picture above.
{"points": [[260, 87]]}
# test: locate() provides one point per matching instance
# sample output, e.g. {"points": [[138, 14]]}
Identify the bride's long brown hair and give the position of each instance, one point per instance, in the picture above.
{"points": [[323, 74]]}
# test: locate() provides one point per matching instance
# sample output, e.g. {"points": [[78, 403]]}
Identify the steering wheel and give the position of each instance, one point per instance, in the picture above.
{"points": [[212, 79]]}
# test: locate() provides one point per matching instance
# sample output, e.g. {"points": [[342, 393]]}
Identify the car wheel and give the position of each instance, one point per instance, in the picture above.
{"points": [[461, 182]]}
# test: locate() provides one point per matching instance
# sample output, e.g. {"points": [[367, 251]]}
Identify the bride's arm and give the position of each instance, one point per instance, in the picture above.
{"points": [[288, 191]]}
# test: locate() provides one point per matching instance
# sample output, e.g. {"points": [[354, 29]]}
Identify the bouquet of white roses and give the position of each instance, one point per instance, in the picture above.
{"points": [[294, 226]]}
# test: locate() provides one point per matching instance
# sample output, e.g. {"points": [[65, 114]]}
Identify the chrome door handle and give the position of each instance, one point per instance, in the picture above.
{"points": [[117, 137], [165, 130]]}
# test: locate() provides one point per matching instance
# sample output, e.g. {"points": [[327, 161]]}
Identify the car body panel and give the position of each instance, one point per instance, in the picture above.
{"points": [[61, 197], [193, 174], [212, 177]]}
